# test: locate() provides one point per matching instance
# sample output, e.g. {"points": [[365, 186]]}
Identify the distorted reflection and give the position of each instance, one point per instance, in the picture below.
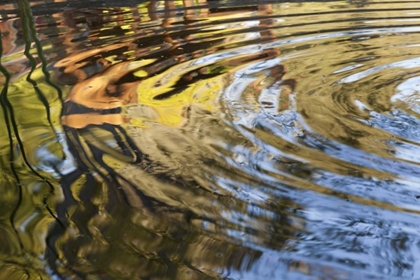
{"points": [[209, 139], [168, 213]]}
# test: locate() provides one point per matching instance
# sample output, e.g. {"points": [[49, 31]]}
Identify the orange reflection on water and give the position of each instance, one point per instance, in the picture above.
{"points": [[96, 95]]}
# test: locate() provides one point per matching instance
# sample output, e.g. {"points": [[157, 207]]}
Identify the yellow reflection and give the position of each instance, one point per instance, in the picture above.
{"points": [[169, 93]]}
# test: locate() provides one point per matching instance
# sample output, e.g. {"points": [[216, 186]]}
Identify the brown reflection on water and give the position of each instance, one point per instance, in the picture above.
{"points": [[12, 47], [149, 201]]}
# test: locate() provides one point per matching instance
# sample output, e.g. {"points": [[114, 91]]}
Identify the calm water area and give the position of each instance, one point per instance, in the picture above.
{"points": [[209, 139]]}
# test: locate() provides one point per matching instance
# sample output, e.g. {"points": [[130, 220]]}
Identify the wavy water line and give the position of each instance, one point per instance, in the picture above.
{"points": [[269, 136]]}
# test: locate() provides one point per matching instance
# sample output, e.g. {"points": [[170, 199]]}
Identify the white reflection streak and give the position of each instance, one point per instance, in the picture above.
{"points": [[408, 93], [26, 222], [407, 64]]}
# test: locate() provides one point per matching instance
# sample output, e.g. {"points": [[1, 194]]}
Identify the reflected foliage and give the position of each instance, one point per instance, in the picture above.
{"points": [[209, 140], [103, 174]]}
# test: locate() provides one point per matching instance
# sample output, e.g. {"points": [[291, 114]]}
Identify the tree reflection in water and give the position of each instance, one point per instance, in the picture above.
{"points": [[154, 200]]}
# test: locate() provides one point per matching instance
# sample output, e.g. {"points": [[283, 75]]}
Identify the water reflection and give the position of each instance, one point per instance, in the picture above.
{"points": [[164, 220], [201, 139]]}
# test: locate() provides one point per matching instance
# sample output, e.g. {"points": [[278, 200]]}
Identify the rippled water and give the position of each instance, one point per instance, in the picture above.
{"points": [[210, 139]]}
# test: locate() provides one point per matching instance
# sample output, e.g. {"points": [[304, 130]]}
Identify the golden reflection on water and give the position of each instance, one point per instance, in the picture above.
{"points": [[106, 218], [102, 91], [194, 140]]}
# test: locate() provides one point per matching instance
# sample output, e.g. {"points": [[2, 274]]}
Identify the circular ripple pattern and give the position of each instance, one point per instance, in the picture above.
{"points": [[211, 139]]}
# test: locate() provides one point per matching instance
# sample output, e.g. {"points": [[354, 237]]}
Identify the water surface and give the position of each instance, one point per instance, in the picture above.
{"points": [[210, 140]]}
